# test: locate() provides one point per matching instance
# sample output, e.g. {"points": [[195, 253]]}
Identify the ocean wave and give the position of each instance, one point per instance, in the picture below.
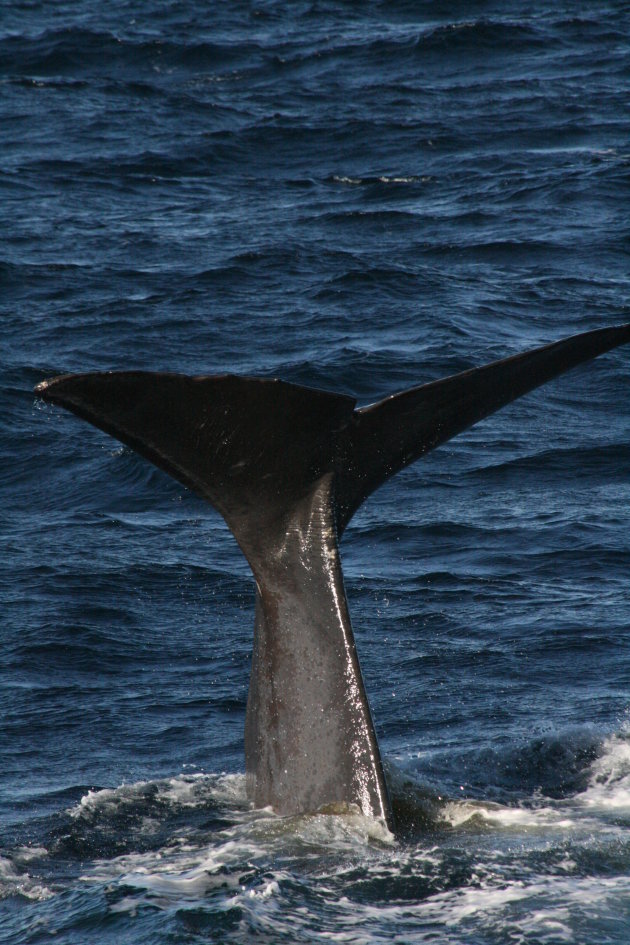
{"points": [[184, 791], [396, 44], [86, 51], [608, 787], [553, 778], [193, 843], [608, 460], [256, 868], [197, 830], [16, 881]]}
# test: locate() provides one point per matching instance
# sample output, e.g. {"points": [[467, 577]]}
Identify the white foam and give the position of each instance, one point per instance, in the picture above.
{"points": [[546, 910], [505, 896], [458, 813], [398, 180], [14, 883], [191, 790], [108, 798], [129, 905], [28, 854], [188, 790], [471, 902], [269, 889], [382, 179], [341, 830], [187, 869], [609, 785]]}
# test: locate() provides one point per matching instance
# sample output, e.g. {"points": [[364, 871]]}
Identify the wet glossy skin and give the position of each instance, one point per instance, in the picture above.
{"points": [[287, 467], [309, 738]]}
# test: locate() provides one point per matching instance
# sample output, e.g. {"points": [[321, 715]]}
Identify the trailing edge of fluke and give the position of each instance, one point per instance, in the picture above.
{"points": [[287, 466]]}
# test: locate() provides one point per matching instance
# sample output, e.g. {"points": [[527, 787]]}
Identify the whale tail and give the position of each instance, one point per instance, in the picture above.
{"points": [[253, 446], [287, 467]]}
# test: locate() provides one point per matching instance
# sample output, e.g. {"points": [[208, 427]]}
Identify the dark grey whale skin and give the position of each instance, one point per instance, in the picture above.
{"points": [[287, 466]]}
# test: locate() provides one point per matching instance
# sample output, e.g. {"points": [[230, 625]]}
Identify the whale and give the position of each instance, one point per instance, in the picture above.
{"points": [[287, 466]]}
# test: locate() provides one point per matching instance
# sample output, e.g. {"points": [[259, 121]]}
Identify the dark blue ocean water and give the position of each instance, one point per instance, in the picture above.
{"points": [[359, 197]]}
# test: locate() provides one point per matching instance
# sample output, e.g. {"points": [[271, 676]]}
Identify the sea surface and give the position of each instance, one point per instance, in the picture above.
{"points": [[359, 197]]}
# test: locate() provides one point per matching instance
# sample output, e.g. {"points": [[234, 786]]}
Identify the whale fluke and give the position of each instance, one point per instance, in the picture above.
{"points": [[399, 429], [287, 466], [252, 447]]}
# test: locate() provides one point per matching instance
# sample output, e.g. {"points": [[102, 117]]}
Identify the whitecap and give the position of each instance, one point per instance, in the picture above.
{"points": [[13, 882], [609, 784]]}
